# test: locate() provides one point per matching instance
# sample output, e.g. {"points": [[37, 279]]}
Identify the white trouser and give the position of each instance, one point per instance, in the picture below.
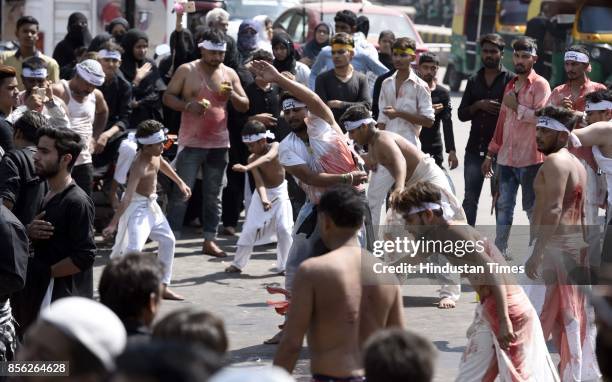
{"points": [[143, 219], [261, 224], [593, 194]]}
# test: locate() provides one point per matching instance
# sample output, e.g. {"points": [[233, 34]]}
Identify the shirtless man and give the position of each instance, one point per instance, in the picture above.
{"points": [[505, 321], [558, 217], [200, 90], [270, 210], [599, 135], [139, 216], [407, 164], [330, 301]]}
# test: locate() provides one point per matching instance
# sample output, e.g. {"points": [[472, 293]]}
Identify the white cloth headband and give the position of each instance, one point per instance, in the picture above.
{"points": [[256, 137], [292, 103], [113, 54], [92, 78], [35, 73], [553, 124], [209, 45], [599, 106], [152, 139], [447, 209], [352, 125], [528, 51], [576, 56]]}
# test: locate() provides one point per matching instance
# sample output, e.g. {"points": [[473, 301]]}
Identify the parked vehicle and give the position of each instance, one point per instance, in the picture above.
{"points": [[510, 23], [241, 10]]}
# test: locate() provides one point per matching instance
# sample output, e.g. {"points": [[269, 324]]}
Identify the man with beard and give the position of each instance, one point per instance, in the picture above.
{"points": [[78, 36], [480, 104], [514, 140], [200, 90], [62, 233], [557, 227], [571, 95]]}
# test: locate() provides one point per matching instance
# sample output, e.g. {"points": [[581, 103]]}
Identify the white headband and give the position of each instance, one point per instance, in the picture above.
{"points": [[92, 78], [576, 56], [209, 45], [113, 54], [531, 51], [152, 139], [599, 106], [553, 124], [352, 125], [36, 73], [256, 137], [447, 210], [292, 103]]}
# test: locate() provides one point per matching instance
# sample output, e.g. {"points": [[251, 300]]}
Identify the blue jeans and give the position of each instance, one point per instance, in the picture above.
{"points": [[472, 174], [213, 163], [509, 180]]}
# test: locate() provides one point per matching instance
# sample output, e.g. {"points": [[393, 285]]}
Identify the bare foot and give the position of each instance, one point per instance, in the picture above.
{"points": [[212, 249], [168, 294], [233, 269], [446, 303], [274, 340]]}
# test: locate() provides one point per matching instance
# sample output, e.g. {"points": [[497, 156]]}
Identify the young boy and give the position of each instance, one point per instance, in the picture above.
{"points": [[270, 209], [139, 216]]}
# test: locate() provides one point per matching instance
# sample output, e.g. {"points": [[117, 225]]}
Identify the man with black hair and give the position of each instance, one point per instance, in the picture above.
{"points": [[62, 232], [514, 141], [572, 95], [27, 30], [333, 300], [131, 286], [343, 87], [480, 104], [21, 189], [201, 90], [431, 141], [366, 56], [396, 355], [557, 228], [9, 96], [139, 215]]}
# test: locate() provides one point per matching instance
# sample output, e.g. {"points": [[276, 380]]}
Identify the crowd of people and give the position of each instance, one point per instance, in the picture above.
{"points": [[324, 148]]}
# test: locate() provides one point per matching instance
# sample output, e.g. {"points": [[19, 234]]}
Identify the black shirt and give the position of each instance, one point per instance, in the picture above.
{"points": [[355, 91], [483, 123], [13, 254], [431, 140], [6, 134], [20, 185], [268, 101], [117, 94]]}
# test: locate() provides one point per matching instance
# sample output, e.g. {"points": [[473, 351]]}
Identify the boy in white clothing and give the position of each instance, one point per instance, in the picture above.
{"points": [[139, 216], [270, 209]]}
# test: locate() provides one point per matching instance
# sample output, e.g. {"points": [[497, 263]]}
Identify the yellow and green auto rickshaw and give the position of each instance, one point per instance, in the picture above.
{"points": [[593, 29], [510, 23], [472, 19]]}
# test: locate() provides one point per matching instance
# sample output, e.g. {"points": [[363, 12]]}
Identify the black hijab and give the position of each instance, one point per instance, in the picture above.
{"points": [[129, 63], [312, 47], [98, 41], [288, 64], [78, 36], [117, 21]]}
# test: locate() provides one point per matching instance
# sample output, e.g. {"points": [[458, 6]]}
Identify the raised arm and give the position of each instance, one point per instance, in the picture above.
{"points": [[597, 134]]}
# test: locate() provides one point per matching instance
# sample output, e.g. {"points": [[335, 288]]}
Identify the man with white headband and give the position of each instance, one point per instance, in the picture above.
{"points": [[571, 95], [38, 95], [598, 135], [139, 216], [401, 164], [270, 211], [88, 112], [505, 339], [514, 140], [557, 228], [201, 90]]}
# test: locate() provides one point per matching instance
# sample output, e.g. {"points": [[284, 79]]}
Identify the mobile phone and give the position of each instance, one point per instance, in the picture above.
{"points": [[190, 7]]}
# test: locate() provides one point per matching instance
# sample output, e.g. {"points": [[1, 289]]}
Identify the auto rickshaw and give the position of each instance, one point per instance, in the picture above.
{"points": [[472, 19], [510, 23]]}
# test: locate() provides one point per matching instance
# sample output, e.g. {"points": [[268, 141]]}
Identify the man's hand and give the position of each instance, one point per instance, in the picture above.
{"points": [[394, 195], [506, 334], [490, 106], [567, 103], [510, 101], [453, 162], [40, 229], [226, 89], [239, 168], [532, 265], [101, 142], [109, 231], [438, 107], [185, 190], [266, 205], [487, 168], [359, 177], [196, 108], [390, 112], [141, 73], [265, 71], [34, 102], [265, 118], [335, 104]]}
